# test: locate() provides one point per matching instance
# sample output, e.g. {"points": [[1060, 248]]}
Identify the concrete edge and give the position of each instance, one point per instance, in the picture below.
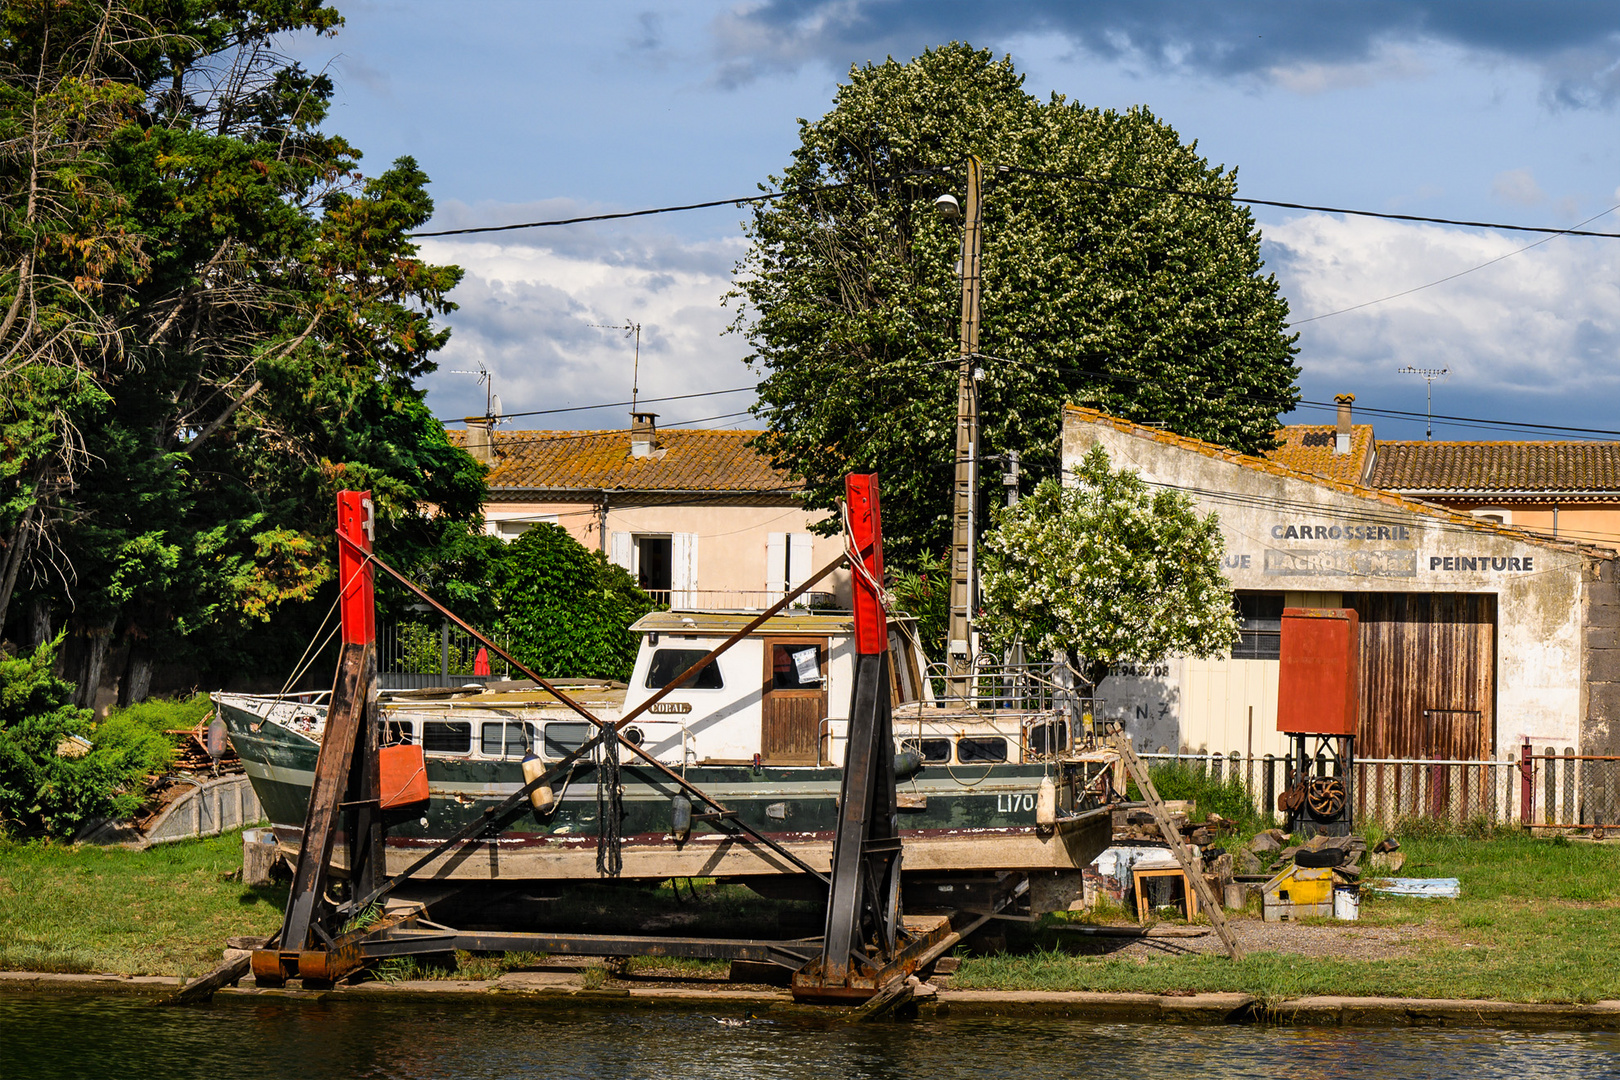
{"points": [[1214, 1008]]}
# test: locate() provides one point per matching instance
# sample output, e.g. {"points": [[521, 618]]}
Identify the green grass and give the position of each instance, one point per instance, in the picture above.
{"points": [[1537, 921], [163, 911]]}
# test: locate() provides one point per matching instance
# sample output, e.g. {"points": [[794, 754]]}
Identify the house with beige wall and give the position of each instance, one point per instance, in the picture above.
{"points": [[1476, 636], [696, 515]]}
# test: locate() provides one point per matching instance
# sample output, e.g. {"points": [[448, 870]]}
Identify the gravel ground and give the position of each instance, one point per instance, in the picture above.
{"points": [[1348, 941]]}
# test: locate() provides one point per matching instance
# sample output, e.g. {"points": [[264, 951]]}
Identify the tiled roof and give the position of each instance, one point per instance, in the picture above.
{"points": [[1388, 498], [687, 459], [1309, 448], [1497, 466]]}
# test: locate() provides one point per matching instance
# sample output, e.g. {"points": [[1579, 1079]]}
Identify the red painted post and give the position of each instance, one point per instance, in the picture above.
{"points": [[1527, 786], [866, 535], [356, 517]]}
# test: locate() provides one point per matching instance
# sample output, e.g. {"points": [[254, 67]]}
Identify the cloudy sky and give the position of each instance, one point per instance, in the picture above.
{"points": [[1483, 110]]}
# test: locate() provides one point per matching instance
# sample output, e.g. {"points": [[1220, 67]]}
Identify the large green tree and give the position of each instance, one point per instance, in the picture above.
{"points": [[1114, 290], [210, 321]]}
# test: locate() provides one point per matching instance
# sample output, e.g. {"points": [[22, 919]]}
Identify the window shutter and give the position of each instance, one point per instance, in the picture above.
{"points": [[683, 569], [799, 559], [776, 554], [622, 551]]}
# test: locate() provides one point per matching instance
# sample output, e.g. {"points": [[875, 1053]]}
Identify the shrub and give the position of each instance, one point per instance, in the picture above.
{"points": [[1229, 798], [565, 610], [165, 714], [45, 793]]}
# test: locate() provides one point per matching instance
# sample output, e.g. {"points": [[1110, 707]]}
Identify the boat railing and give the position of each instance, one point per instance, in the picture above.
{"points": [[734, 599]]}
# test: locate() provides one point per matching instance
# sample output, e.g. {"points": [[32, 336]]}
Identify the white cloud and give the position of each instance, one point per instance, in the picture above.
{"points": [[1518, 186], [1537, 325], [527, 305], [1390, 63]]}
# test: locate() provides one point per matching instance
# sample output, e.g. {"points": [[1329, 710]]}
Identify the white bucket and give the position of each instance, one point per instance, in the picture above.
{"points": [[1347, 902]]}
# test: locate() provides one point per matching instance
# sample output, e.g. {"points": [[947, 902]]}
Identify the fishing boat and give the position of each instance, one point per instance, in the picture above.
{"points": [[1003, 780]]}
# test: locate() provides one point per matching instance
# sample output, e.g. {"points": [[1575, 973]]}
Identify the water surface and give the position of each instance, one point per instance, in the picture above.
{"points": [[45, 1037]]}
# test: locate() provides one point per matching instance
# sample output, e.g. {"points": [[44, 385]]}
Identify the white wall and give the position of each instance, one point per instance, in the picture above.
{"points": [[1199, 704]]}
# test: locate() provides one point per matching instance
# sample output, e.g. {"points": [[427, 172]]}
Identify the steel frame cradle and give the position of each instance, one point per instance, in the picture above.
{"points": [[867, 949]]}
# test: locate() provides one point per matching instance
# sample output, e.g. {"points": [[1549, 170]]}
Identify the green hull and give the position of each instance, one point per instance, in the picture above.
{"points": [[794, 805]]}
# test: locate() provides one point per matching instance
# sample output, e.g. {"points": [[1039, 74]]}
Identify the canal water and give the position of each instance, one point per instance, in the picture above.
{"points": [[45, 1037]]}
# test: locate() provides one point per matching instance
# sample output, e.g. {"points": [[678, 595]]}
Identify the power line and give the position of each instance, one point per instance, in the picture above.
{"points": [[1211, 196], [740, 200], [576, 436], [1452, 277], [605, 405]]}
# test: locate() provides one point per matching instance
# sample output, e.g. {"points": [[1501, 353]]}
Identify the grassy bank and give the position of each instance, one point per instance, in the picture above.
{"points": [[1538, 921], [163, 911]]}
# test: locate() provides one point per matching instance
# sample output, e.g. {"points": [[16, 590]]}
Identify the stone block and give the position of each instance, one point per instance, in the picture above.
{"points": [[1603, 701], [1603, 666]]}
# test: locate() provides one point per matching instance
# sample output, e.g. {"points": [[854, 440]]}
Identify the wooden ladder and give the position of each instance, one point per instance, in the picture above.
{"points": [[1189, 867]]}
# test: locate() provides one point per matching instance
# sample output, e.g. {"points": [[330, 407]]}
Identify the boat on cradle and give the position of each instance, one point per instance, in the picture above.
{"points": [[761, 728]]}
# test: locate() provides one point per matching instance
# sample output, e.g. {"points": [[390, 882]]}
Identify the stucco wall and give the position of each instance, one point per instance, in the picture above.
{"points": [[1360, 543], [731, 540]]}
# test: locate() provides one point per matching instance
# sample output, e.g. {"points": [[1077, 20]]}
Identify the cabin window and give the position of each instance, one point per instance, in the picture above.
{"points": [[507, 738], [1049, 738], [1260, 626], [564, 739], [981, 748], [668, 663], [931, 750], [796, 666], [447, 736]]}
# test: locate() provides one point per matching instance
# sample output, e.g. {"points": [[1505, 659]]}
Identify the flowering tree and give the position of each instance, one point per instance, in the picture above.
{"points": [[1106, 572]]}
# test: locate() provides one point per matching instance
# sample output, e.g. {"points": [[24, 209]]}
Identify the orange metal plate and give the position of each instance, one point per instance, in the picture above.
{"points": [[1318, 686]]}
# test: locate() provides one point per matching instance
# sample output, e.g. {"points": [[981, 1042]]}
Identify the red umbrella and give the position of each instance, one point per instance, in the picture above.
{"points": [[481, 662]]}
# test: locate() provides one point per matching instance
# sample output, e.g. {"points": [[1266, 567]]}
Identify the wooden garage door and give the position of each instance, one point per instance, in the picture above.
{"points": [[1428, 675]]}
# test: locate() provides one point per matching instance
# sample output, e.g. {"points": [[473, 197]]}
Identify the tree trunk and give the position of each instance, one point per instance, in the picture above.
{"points": [[137, 681], [92, 663], [11, 560], [39, 622]]}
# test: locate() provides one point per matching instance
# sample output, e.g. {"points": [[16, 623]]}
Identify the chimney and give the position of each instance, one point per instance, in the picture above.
{"points": [[1341, 435], [480, 440], [643, 434]]}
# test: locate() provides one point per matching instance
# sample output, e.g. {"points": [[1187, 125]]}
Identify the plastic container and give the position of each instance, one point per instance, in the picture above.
{"points": [[1347, 902]]}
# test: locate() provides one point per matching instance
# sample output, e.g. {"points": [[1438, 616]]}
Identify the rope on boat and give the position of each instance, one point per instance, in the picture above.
{"points": [[609, 811]]}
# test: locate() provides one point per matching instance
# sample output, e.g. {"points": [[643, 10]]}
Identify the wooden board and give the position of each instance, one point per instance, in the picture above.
{"points": [[1428, 675]]}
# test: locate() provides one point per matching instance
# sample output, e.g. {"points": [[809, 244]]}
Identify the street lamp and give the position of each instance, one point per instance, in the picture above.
{"points": [[959, 641]]}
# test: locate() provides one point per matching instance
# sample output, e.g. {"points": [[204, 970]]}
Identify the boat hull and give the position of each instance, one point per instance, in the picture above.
{"points": [[953, 819]]}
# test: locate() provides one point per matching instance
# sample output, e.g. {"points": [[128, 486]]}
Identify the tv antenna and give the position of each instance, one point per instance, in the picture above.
{"points": [[630, 329], [492, 400], [1429, 375]]}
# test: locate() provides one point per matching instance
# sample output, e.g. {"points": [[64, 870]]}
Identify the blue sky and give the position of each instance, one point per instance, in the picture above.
{"points": [[1484, 110]]}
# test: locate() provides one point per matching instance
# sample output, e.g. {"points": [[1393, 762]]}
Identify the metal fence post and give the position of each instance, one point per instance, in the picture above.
{"points": [[1527, 786]]}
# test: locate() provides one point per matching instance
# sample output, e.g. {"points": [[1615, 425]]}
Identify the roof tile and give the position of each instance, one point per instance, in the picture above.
{"points": [[1309, 448], [1434, 467], [687, 459]]}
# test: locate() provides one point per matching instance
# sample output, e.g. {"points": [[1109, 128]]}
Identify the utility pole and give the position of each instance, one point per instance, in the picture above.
{"points": [[1429, 375], [1010, 477], [959, 646]]}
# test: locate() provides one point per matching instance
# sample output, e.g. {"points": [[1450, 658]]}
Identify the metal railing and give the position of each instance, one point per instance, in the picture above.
{"points": [[413, 656], [1545, 788], [734, 599]]}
